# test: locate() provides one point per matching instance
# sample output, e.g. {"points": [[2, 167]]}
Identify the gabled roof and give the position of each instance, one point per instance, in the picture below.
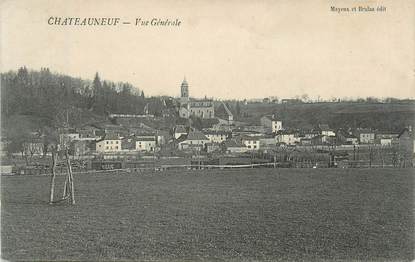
{"points": [[145, 134], [286, 132], [193, 135], [109, 137], [404, 131], [364, 131], [145, 139], [196, 135], [215, 132], [180, 129]]}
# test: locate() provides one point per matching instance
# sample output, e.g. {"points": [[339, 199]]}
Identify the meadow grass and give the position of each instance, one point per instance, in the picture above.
{"points": [[236, 215]]}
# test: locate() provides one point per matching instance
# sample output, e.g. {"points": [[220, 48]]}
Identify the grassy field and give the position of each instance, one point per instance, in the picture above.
{"points": [[254, 214]]}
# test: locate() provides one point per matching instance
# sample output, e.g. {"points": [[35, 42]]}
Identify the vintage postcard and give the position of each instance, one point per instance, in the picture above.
{"points": [[264, 130]]}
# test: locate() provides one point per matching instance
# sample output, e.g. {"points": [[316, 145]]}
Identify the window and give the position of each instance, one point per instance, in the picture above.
{"points": [[116, 142], [107, 142], [106, 147], [116, 147]]}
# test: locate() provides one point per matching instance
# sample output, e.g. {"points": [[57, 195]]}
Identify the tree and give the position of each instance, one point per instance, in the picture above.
{"points": [[238, 109], [98, 95]]}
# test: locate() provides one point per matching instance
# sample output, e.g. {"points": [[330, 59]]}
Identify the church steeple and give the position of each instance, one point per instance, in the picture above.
{"points": [[184, 89]]}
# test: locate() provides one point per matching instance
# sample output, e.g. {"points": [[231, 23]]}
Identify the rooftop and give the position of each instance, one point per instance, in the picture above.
{"points": [[233, 143]]}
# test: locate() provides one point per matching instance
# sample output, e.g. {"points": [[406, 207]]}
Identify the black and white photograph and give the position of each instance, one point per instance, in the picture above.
{"points": [[207, 130]]}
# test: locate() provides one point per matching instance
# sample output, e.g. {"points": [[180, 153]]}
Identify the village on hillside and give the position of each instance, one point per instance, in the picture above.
{"points": [[202, 133]]}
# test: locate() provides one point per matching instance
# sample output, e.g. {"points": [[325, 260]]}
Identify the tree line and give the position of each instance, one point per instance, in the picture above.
{"points": [[54, 96]]}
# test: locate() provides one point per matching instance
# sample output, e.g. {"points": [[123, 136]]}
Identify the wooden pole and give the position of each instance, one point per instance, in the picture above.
{"points": [[52, 180], [71, 184], [65, 186]]}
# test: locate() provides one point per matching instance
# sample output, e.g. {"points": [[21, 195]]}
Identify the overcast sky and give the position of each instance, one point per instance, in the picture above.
{"points": [[237, 49]]}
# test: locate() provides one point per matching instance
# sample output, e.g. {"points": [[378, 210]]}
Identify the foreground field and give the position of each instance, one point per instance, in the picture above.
{"points": [[254, 214]]}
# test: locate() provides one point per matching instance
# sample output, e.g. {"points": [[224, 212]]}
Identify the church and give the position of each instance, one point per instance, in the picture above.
{"points": [[191, 107]]}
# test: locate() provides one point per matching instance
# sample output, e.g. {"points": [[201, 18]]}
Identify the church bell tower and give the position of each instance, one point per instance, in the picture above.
{"points": [[184, 94]]}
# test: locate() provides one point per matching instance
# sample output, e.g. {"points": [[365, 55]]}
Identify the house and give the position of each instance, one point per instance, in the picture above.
{"points": [[287, 137], [365, 135], [128, 143], [179, 130], [90, 131], [346, 138], [271, 123], [308, 134], [234, 146], [147, 144], [325, 130], [386, 139], [406, 140], [109, 143], [320, 140], [251, 142], [222, 125], [34, 146], [194, 139], [162, 137], [216, 136]]}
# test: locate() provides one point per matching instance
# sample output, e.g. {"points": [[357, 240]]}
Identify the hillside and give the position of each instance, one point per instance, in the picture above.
{"points": [[381, 116]]}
